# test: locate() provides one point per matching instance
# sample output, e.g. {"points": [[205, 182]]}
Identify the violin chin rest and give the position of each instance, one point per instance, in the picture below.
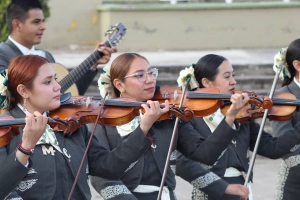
{"points": [[65, 97]]}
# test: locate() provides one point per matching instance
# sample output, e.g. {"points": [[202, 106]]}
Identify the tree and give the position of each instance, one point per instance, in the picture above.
{"points": [[3, 26]]}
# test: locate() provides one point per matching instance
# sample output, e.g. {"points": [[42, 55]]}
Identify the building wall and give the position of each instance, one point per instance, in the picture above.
{"points": [[177, 27], [72, 24]]}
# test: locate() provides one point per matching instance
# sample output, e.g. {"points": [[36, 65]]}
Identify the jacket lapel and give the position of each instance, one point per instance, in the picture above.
{"points": [[294, 89], [14, 48], [16, 113], [162, 142], [70, 148]]}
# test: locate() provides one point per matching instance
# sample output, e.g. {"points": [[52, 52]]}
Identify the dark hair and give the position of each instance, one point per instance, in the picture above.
{"points": [[207, 67], [120, 66], [292, 53], [22, 70], [18, 9]]}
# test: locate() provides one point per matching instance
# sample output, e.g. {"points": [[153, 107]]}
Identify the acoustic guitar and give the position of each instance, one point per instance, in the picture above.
{"points": [[115, 35]]}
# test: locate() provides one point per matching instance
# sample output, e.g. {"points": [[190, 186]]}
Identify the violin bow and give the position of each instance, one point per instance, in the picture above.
{"points": [[87, 147], [262, 127], [171, 145]]}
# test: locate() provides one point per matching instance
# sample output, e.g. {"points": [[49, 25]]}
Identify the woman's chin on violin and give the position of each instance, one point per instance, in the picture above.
{"points": [[130, 75], [44, 94], [224, 80], [228, 173], [47, 158]]}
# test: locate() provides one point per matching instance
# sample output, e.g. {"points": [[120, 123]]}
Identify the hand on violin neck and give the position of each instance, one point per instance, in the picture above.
{"points": [[152, 113], [238, 101], [33, 130]]}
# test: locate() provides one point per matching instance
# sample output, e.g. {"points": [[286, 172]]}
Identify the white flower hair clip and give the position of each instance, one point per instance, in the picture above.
{"points": [[105, 84], [280, 59], [4, 93], [187, 74]]}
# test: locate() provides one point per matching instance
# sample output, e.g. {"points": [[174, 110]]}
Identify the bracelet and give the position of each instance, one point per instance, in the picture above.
{"points": [[23, 150]]}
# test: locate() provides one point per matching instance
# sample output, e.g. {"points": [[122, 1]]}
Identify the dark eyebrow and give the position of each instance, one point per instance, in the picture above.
{"points": [[38, 20]]}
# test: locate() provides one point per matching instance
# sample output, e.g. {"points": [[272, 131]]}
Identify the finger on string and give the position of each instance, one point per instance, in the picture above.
{"points": [[167, 105], [104, 51], [37, 117], [28, 120], [146, 107], [156, 105]]}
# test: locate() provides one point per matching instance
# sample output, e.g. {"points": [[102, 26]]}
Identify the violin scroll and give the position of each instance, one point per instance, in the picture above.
{"points": [[186, 114], [68, 125]]}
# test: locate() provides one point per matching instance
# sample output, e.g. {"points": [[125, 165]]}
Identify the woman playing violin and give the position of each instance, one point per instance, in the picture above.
{"points": [[289, 177], [130, 75], [223, 179], [32, 90], [15, 166]]}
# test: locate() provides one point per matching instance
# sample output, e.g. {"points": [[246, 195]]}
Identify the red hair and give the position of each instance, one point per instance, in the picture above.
{"points": [[22, 70]]}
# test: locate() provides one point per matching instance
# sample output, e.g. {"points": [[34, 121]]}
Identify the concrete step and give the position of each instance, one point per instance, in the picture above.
{"points": [[257, 78], [260, 85], [240, 70]]}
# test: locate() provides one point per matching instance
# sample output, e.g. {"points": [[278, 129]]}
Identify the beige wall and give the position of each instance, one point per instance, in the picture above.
{"points": [[175, 27], [72, 24]]}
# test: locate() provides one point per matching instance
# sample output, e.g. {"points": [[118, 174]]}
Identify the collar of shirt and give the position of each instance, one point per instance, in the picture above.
{"points": [[22, 48], [26, 112], [297, 83]]}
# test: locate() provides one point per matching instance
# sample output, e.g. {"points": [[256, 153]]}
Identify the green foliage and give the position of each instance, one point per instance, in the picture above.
{"points": [[3, 26]]}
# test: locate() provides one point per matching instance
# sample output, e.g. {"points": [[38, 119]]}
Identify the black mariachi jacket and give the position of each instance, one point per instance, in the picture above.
{"points": [[288, 180], [208, 178], [40, 182], [188, 141]]}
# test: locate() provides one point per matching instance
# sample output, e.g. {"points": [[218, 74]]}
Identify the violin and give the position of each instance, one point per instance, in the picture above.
{"points": [[283, 109], [9, 127], [205, 101], [83, 110], [79, 110]]}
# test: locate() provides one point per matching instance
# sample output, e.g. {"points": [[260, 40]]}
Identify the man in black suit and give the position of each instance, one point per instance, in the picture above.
{"points": [[25, 20]]}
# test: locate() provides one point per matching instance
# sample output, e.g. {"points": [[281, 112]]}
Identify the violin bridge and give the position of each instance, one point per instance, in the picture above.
{"points": [[87, 102], [175, 95]]}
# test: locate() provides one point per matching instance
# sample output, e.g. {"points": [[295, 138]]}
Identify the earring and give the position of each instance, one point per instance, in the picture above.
{"points": [[120, 94], [24, 106]]}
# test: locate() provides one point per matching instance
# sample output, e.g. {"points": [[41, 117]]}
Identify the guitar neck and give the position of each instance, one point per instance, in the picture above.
{"points": [[79, 71]]}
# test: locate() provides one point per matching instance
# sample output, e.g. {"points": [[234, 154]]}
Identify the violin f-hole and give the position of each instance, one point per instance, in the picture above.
{"points": [[82, 111]]}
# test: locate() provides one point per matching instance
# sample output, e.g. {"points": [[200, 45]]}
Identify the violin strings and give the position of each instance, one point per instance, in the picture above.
{"points": [[279, 101], [120, 103], [204, 95]]}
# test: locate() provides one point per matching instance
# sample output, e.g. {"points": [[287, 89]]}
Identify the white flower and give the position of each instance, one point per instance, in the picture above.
{"points": [[188, 72], [105, 84], [3, 83], [280, 59], [4, 93]]}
